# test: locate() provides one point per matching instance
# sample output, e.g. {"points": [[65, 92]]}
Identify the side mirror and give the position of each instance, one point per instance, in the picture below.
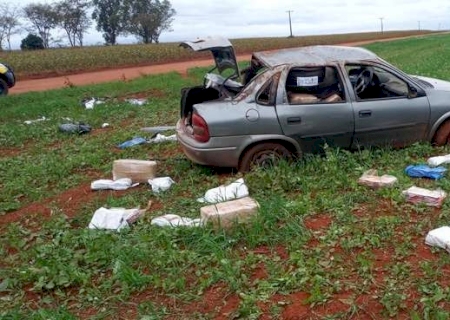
{"points": [[412, 92]]}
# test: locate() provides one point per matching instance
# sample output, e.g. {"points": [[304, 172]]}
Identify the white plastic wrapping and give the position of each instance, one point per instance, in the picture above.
{"points": [[111, 219], [106, 184], [162, 138], [439, 237], [437, 161], [160, 184], [173, 220], [235, 190]]}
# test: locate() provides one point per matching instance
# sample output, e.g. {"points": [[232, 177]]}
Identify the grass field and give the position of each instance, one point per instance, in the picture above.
{"points": [[44, 63], [322, 247]]}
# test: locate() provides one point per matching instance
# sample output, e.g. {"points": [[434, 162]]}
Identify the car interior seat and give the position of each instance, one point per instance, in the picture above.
{"points": [[312, 85]]}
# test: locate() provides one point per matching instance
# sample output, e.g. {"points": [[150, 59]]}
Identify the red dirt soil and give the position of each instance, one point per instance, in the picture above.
{"points": [[130, 73]]}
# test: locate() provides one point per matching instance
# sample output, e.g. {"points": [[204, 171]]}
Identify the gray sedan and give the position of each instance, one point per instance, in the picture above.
{"points": [[294, 101]]}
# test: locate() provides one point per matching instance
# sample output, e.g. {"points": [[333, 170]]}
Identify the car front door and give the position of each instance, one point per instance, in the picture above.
{"points": [[385, 112], [313, 108]]}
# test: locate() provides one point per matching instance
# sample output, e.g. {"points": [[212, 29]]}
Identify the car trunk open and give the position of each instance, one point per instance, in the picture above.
{"points": [[217, 86]]}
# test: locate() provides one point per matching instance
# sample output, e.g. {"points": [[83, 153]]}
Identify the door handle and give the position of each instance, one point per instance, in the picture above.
{"points": [[365, 113], [294, 120]]}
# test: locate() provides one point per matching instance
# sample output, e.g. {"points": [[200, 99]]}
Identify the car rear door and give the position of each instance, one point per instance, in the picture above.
{"points": [[315, 123]]}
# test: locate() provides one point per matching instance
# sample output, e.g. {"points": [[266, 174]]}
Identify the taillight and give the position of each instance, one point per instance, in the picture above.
{"points": [[200, 128]]}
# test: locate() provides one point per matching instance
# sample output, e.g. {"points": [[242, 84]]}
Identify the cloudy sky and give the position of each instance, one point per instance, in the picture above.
{"points": [[265, 18]]}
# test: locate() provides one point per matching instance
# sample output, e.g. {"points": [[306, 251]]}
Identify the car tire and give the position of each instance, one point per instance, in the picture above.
{"points": [[3, 88], [263, 154], [442, 135]]}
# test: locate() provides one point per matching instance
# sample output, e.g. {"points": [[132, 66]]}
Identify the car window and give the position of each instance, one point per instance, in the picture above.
{"points": [[308, 85], [370, 82], [267, 94]]}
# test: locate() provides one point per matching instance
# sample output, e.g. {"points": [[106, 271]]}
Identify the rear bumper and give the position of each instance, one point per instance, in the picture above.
{"points": [[209, 153]]}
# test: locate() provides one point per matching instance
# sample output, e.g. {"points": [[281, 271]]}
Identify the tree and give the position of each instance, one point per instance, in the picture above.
{"points": [[32, 42], [111, 17], [43, 18], [72, 17], [9, 23], [149, 18]]}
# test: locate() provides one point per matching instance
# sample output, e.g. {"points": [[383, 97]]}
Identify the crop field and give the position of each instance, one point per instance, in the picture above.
{"points": [[322, 246], [52, 62]]}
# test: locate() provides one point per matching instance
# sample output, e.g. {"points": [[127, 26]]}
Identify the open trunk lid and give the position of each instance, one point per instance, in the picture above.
{"points": [[222, 51]]}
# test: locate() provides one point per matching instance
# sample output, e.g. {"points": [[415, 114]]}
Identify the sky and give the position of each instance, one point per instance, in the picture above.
{"points": [[269, 18]]}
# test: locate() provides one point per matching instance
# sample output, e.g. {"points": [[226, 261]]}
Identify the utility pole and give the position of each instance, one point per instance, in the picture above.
{"points": [[418, 22], [381, 22], [290, 22]]}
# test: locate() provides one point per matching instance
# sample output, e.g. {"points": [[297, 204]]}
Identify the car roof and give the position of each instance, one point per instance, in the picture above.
{"points": [[314, 55]]}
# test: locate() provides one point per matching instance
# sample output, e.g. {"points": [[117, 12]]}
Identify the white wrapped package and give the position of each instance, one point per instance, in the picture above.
{"points": [[234, 190], [439, 238], [162, 138], [106, 184], [437, 161], [116, 218], [161, 184], [173, 220], [111, 219]]}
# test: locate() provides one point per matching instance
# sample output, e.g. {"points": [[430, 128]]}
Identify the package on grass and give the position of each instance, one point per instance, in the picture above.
{"points": [[136, 170], [235, 190], [116, 218], [372, 179], [433, 198]]}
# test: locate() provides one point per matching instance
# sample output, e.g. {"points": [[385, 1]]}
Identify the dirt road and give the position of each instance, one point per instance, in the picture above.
{"points": [[128, 73]]}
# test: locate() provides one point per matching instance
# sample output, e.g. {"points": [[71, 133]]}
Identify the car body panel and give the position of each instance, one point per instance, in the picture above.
{"points": [[397, 122], [436, 83], [407, 109], [313, 55]]}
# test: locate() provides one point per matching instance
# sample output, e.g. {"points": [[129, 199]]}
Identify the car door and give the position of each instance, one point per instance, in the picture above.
{"points": [[313, 108], [385, 112]]}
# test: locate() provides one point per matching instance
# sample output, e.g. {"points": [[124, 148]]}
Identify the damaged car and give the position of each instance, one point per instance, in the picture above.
{"points": [[294, 101], [7, 79]]}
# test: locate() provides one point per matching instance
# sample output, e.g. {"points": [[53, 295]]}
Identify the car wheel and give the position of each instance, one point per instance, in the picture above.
{"points": [[442, 135], [3, 88], [263, 155]]}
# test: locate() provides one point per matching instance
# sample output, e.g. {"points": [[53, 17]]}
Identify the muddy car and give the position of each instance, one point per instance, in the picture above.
{"points": [[294, 101], [7, 79]]}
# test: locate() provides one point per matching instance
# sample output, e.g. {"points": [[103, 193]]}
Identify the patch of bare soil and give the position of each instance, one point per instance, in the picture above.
{"points": [[69, 202], [317, 222]]}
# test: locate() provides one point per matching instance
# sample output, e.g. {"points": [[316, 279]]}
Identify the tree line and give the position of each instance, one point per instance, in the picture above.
{"points": [[145, 19]]}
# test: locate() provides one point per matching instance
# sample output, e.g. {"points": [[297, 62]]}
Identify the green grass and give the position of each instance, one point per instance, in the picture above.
{"points": [[366, 259], [52, 62]]}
